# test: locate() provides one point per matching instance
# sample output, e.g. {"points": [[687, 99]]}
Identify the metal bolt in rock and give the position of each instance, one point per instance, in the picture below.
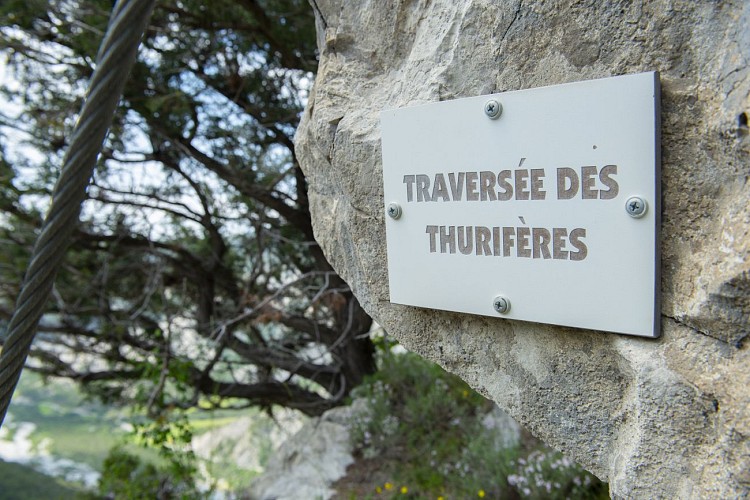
{"points": [[501, 304], [394, 211], [493, 108], [636, 207]]}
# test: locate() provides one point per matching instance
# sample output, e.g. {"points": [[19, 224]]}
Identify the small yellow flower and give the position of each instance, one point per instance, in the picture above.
{"points": [[466, 393], [404, 490], [378, 490], [440, 498], [480, 493], [388, 486]]}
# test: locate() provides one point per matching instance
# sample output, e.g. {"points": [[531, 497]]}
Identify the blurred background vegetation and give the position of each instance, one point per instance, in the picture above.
{"points": [[423, 433]]}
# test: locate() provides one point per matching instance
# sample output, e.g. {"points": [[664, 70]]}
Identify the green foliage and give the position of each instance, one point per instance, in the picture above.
{"points": [[171, 435], [431, 424], [127, 477]]}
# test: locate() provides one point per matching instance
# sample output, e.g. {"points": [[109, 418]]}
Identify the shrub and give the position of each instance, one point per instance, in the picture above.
{"points": [[125, 476], [428, 424]]}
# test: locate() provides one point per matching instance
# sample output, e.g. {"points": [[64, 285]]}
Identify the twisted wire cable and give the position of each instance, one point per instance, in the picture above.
{"points": [[114, 61]]}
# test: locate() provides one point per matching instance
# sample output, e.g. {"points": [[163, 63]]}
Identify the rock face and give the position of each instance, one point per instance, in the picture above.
{"points": [[247, 441], [656, 418], [306, 464]]}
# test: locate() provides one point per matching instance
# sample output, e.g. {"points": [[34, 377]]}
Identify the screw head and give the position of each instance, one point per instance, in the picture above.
{"points": [[636, 207], [493, 109], [393, 211], [501, 304]]}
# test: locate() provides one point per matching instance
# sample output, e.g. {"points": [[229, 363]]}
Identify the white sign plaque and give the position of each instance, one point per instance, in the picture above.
{"points": [[538, 205]]}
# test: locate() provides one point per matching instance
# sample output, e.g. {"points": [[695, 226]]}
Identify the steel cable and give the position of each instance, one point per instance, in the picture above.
{"points": [[114, 61]]}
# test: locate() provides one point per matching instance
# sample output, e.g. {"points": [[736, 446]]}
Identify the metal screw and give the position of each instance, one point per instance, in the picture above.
{"points": [[393, 211], [501, 304], [636, 207], [493, 109]]}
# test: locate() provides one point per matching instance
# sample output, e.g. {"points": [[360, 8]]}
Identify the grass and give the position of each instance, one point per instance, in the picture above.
{"points": [[203, 422], [20, 482]]}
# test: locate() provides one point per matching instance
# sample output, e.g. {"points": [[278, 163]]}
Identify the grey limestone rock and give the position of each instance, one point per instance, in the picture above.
{"points": [[310, 461], [656, 418]]}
